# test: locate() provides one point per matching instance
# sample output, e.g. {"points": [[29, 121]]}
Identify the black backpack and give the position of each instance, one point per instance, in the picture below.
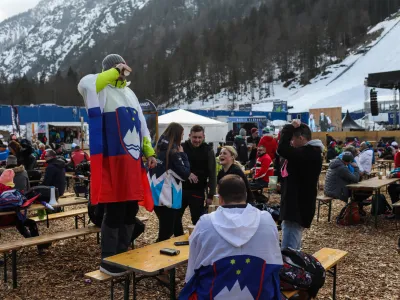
{"points": [[34, 174], [383, 206], [44, 192], [301, 271]]}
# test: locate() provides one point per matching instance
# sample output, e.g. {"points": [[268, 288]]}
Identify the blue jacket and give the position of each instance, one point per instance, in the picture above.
{"points": [[4, 154], [166, 184]]}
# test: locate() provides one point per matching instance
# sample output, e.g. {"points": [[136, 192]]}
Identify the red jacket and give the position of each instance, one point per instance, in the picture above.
{"points": [[78, 156], [397, 160], [270, 144], [264, 168]]}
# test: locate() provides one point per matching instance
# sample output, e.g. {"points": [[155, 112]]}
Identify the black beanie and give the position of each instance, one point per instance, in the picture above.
{"points": [[111, 60]]}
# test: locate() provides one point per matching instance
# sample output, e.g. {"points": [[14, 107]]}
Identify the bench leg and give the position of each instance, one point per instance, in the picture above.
{"points": [[126, 287], [330, 210], [14, 268], [319, 206], [98, 237], [172, 284], [5, 266], [76, 222], [134, 285], [47, 220], [112, 290]]}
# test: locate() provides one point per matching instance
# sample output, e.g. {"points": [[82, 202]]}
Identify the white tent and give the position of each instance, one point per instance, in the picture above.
{"points": [[215, 131]]}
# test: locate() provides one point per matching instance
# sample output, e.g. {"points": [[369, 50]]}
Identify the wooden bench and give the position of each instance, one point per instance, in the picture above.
{"points": [[329, 258], [103, 277], [65, 214], [39, 240], [324, 200]]}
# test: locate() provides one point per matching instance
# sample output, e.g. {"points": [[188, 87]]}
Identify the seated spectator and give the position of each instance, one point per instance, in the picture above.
{"points": [[78, 156], [24, 154], [394, 190], [234, 252], [55, 172], [331, 153], [263, 169], [339, 175], [42, 151], [339, 147], [227, 159], [269, 142], [21, 179], [364, 159], [4, 152]]}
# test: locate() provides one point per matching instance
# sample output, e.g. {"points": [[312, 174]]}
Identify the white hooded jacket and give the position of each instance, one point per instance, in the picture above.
{"points": [[233, 231], [364, 161]]}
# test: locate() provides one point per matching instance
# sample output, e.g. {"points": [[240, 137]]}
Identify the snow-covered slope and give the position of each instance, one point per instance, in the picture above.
{"points": [[344, 86], [42, 38]]}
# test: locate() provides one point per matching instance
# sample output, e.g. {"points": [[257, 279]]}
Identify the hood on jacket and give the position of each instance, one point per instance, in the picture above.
{"points": [[163, 143], [236, 225], [19, 169], [337, 163], [57, 162], [316, 143]]}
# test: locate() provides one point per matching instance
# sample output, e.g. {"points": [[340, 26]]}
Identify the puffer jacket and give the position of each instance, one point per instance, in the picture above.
{"points": [[168, 194], [21, 179], [337, 178]]}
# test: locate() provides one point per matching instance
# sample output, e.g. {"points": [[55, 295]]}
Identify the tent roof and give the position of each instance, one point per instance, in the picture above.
{"points": [[185, 117], [349, 123]]}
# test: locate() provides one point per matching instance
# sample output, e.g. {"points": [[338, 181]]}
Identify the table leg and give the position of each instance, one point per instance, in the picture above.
{"points": [[334, 283], [330, 210], [47, 219], [172, 284], [126, 287], [319, 206], [76, 222], [377, 194], [14, 268], [112, 290]]}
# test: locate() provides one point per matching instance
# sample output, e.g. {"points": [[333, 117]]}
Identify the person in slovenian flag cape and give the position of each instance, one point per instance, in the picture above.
{"points": [[234, 251], [118, 137]]}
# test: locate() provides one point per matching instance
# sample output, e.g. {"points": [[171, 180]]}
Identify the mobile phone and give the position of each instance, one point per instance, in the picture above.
{"points": [[184, 243], [169, 251]]}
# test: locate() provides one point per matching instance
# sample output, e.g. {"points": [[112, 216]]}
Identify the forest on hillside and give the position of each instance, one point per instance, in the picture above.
{"points": [[183, 56]]}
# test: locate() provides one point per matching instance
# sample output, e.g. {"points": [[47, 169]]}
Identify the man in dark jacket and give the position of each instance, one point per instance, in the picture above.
{"points": [[252, 143], [202, 180], [241, 147], [300, 173], [339, 175], [55, 172]]}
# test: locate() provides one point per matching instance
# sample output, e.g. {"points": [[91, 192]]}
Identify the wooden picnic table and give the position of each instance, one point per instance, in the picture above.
{"points": [[373, 184], [149, 262], [385, 162], [62, 202]]}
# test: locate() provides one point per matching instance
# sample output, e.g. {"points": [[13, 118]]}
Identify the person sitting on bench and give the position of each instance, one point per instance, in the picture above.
{"points": [[55, 172], [21, 179], [234, 251], [263, 169]]}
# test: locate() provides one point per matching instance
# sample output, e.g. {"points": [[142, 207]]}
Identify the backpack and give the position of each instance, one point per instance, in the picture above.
{"points": [[383, 206], [301, 271], [349, 215], [11, 200], [83, 168], [43, 191], [34, 174]]}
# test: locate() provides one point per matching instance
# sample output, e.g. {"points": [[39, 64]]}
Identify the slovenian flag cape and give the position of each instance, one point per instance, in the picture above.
{"points": [[118, 137], [234, 255]]}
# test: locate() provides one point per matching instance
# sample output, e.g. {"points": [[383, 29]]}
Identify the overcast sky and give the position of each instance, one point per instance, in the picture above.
{"points": [[9, 8]]}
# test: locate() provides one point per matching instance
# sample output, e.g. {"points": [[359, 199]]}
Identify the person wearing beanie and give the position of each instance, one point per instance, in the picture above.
{"points": [[118, 138], [252, 143], [339, 176], [21, 179], [55, 172]]}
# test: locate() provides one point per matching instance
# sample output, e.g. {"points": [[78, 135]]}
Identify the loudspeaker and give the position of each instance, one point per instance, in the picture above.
{"points": [[374, 108]]}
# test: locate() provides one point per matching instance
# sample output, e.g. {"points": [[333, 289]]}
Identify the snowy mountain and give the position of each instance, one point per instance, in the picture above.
{"points": [[57, 32], [340, 85]]}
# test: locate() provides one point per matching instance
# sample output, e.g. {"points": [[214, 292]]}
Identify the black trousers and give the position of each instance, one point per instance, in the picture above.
{"points": [[21, 227], [166, 221], [258, 184], [195, 200], [394, 192], [117, 227]]}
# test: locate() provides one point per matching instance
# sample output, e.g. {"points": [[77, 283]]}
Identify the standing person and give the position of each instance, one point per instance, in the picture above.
{"points": [[269, 142], [227, 159], [118, 139], [241, 147], [202, 180], [172, 168], [252, 142], [230, 137], [300, 173]]}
